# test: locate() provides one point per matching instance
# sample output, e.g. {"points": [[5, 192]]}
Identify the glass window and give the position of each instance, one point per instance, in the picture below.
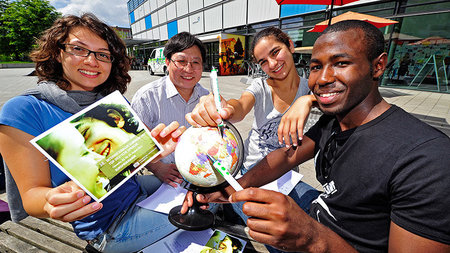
{"points": [[309, 37], [420, 53], [294, 9], [264, 25], [419, 6], [292, 20], [132, 19], [380, 10], [311, 20], [292, 23], [148, 22]]}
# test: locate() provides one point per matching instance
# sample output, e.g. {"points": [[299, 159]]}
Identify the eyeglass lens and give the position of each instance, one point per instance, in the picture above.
{"points": [[184, 63], [84, 52]]}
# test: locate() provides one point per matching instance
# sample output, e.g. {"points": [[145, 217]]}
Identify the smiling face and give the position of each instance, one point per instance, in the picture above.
{"points": [[274, 57], [100, 137], [226, 245], [85, 73], [185, 78], [341, 75], [72, 154]]}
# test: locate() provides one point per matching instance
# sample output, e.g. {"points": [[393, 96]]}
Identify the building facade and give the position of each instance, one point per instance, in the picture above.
{"points": [[418, 45]]}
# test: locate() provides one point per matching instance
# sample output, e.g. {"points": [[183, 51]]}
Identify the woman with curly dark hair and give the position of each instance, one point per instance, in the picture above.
{"points": [[47, 55], [78, 61]]}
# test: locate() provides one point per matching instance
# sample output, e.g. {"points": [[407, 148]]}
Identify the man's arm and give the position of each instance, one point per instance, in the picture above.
{"points": [[277, 163], [276, 220], [273, 166], [403, 241], [420, 198]]}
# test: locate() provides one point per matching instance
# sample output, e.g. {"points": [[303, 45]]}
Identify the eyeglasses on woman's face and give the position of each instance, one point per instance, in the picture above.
{"points": [[84, 52]]}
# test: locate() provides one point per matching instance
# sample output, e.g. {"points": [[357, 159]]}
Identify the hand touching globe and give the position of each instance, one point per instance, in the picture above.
{"points": [[193, 148]]}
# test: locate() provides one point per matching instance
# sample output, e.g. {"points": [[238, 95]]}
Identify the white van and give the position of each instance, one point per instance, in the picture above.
{"points": [[157, 62]]}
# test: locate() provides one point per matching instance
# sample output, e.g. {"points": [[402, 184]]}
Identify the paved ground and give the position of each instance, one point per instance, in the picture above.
{"points": [[433, 108]]}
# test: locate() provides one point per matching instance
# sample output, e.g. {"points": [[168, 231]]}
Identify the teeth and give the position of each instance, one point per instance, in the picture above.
{"points": [[328, 94], [277, 69], [189, 78], [106, 152], [88, 72]]}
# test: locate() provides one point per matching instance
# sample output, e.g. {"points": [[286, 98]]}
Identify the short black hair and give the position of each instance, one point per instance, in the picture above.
{"points": [[183, 41], [373, 36]]}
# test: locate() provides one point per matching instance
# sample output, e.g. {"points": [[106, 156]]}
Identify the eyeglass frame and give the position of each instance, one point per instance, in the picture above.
{"points": [[63, 47], [176, 62]]}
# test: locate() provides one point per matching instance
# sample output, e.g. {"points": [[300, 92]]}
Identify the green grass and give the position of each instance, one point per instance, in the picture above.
{"points": [[14, 62]]}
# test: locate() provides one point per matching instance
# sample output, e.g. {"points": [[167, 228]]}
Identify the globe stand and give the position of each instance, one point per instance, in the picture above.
{"points": [[194, 219]]}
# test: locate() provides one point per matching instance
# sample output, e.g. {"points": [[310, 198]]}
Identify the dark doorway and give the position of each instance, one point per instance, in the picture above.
{"points": [[212, 56]]}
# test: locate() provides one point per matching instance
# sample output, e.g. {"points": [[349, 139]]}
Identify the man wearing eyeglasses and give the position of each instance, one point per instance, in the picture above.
{"points": [[171, 97], [385, 174]]}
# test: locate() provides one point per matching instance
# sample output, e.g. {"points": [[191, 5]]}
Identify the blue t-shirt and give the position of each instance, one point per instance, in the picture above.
{"points": [[34, 116]]}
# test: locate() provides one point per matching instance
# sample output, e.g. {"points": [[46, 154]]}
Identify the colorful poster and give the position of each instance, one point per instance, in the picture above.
{"points": [[232, 54], [101, 147]]}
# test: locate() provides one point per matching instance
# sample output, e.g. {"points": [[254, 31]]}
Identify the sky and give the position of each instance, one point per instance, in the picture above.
{"points": [[112, 12]]}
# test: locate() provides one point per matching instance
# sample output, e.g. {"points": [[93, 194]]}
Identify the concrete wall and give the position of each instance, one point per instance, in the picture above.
{"points": [[17, 65]]}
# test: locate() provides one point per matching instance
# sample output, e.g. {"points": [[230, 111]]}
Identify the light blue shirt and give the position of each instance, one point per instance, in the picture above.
{"points": [[160, 102]]}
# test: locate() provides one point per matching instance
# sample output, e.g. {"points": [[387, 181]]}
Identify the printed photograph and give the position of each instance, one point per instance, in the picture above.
{"points": [[221, 242], [100, 147]]}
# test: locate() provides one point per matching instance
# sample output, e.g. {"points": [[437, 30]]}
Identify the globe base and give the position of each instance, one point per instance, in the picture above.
{"points": [[195, 219]]}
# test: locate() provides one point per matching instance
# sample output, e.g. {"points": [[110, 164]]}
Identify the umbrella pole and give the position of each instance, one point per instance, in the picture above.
{"points": [[331, 12]]}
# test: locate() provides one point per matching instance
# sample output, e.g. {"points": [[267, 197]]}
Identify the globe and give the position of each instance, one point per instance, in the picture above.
{"points": [[196, 143], [193, 162]]}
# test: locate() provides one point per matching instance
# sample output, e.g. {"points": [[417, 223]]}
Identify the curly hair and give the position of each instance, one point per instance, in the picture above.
{"points": [[46, 55]]}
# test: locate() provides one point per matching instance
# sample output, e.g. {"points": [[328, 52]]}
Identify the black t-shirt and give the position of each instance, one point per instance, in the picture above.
{"points": [[393, 168]]}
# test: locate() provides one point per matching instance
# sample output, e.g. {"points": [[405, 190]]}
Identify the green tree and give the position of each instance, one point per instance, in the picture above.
{"points": [[3, 43], [3, 5], [22, 22]]}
